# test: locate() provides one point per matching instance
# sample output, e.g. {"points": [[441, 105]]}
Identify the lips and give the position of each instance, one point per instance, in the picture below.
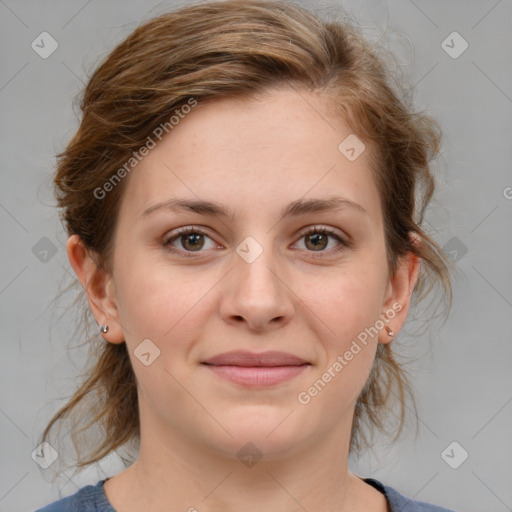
{"points": [[254, 370], [251, 359]]}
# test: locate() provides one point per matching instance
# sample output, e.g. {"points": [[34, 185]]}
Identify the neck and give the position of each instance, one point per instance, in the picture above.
{"points": [[175, 471]]}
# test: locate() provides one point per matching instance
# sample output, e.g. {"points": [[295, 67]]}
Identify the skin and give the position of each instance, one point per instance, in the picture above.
{"points": [[253, 157]]}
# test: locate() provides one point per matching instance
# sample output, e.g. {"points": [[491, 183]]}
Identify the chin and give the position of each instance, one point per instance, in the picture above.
{"points": [[272, 431]]}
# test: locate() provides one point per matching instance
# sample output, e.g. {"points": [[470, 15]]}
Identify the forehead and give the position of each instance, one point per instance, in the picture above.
{"points": [[254, 155]]}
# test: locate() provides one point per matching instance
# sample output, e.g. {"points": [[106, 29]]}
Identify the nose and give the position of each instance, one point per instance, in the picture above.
{"points": [[257, 294]]}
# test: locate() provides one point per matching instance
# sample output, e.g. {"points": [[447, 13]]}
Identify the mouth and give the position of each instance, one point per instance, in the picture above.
{"points": [[256, 370]]}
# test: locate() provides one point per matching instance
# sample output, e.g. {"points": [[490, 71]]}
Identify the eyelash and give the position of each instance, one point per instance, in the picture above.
{"points": [[343, 245]]}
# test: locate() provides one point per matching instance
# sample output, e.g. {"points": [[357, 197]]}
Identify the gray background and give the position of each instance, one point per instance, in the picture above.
{"points": [[462, 381]]}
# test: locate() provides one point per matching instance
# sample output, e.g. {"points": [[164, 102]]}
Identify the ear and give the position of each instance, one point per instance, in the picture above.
{"points": [[398, 296], [99, 288]]}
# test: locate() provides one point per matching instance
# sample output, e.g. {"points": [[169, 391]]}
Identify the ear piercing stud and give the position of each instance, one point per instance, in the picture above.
{"points": [[390, 331], [104, 329]]}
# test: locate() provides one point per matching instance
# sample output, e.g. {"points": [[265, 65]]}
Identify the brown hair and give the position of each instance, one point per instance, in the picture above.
{"points": [[241, 49]]}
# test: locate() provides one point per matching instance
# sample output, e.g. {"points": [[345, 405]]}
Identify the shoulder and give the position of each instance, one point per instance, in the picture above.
{"points": [[400, 503], [90, 498]]}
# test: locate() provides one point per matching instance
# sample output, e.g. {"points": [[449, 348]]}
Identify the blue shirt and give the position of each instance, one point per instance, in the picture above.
{"points": [[92, 498]]}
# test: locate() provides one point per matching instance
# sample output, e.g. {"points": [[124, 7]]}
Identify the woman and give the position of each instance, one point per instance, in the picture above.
{"points": [[243, 200]]}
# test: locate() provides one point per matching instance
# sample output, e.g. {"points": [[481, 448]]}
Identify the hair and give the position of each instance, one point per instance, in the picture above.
{"points": [[241, 49]]}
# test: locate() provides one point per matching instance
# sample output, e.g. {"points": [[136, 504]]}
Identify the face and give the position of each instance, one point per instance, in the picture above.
{"points": [[271, 273]]}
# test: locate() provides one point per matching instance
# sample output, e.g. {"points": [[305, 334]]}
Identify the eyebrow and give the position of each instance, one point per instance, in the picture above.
{"points": [[294, 209]]}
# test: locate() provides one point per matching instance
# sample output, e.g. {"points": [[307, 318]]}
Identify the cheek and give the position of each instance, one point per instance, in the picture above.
{"points": [[345, 302], [168, 310], [344, 362], [346, 309], [165, 304]]}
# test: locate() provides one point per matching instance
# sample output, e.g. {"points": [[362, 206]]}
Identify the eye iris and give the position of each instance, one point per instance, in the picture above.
{"points": [[195, 244], [319, 240]]}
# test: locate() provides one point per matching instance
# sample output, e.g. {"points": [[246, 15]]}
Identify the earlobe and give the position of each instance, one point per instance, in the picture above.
{"points": [[96, 284]]}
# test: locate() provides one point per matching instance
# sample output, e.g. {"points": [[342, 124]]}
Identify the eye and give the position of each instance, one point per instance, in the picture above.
{"points": [[190, 238], [317, 240]]}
